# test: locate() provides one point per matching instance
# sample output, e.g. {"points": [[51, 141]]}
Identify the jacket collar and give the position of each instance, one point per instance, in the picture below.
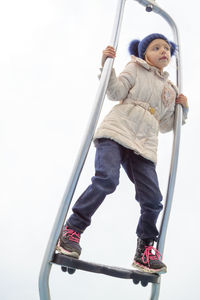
{"points": [[145, 65]]}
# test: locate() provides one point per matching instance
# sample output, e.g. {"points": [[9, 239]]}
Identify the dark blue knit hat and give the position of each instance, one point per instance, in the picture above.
{"points": [[138, 48]]}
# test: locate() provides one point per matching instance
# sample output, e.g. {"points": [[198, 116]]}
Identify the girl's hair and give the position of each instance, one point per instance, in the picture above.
{"points": [[138, 48]]}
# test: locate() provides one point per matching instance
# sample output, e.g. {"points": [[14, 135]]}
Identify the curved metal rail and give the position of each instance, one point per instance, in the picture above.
{"points": [[152, 6], [64, 207]]}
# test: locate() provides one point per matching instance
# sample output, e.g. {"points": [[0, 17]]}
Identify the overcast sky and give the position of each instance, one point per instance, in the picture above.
{"points": [[49, 61]]}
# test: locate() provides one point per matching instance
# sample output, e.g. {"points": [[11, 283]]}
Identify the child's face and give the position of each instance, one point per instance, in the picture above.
{"points": [[158, 54]]}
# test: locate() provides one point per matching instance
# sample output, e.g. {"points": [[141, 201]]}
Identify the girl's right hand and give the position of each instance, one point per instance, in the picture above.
{"points": [[108, 52]]}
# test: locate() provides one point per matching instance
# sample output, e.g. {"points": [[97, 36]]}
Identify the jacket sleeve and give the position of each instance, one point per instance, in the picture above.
{"points": [[118, 87], [167, 121]]}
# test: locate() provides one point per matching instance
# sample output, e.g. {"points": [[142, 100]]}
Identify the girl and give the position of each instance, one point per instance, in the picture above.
{"points": [[128, 137]]}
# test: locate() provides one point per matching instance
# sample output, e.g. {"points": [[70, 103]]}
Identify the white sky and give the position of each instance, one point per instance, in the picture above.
{"points": [[49, 58]]}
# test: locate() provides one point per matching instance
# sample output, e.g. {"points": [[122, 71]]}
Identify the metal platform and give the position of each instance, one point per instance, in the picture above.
{"points": [[69, 264]]}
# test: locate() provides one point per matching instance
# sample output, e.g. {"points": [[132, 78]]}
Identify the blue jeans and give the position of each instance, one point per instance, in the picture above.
{"points": [[109, 157]]}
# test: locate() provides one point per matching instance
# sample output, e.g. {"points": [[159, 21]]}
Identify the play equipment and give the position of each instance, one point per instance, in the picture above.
{"points": [[70, 264]]}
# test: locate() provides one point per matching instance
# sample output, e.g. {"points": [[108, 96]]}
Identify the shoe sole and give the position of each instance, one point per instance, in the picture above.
{"points": [[148, 270], [66, 252]]}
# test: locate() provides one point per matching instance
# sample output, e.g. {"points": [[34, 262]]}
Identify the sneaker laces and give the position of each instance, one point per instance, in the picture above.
{"points": [[148, 255], [71, 234]]}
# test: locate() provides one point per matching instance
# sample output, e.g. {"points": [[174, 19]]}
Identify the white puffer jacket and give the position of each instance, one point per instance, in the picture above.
{"points": [[147, 104]]}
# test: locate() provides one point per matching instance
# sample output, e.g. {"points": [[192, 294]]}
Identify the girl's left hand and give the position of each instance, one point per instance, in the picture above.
{"points": [[181, 99]]}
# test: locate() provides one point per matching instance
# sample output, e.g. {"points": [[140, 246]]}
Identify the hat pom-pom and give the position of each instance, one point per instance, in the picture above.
{"points": [[133, 47], [173, 48]]}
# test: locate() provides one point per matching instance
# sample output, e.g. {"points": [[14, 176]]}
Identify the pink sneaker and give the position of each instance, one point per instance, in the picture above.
{"points": [[68, 243], [148, 259]]}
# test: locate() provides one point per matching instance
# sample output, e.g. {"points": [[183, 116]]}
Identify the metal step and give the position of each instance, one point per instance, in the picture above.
{"points": [[69, 264]]}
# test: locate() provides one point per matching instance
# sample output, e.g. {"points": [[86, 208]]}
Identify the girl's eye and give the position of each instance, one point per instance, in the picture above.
{"points": [[156, 48]]}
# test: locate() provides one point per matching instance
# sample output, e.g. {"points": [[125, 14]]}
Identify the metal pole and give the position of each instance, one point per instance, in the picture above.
{"points": [[152, 6], [64, 207]]}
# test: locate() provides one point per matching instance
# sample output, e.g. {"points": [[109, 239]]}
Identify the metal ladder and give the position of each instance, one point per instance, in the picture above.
{"points": [[150, 6]]}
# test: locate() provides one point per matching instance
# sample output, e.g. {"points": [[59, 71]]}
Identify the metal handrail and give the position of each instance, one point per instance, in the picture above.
{"points": [[64, 207], [176, 138]]}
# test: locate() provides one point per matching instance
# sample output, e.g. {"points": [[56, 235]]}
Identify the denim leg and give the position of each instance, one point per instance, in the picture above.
{"points": [[107, 169], [142, 172]]}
